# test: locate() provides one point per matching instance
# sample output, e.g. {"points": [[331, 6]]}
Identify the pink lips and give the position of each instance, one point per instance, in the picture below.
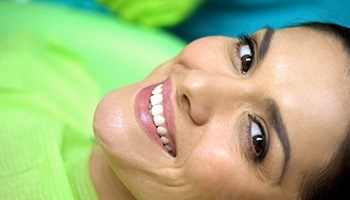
{"points": [[146, 119]]}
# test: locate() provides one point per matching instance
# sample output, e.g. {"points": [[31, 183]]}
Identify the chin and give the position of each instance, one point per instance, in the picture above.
{"points": [[139, 160]]}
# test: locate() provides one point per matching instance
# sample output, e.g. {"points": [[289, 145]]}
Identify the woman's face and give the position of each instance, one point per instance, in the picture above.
{"points": [[243, 119]]}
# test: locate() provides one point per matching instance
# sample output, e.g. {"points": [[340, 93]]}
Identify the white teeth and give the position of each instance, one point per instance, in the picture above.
{"points": [[164, 140], [157, 110], [161, 131], [158, 89], [156, 99], [158, 120]]}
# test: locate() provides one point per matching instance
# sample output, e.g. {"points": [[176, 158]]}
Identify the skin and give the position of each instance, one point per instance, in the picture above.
{"points": [[304, 72]]}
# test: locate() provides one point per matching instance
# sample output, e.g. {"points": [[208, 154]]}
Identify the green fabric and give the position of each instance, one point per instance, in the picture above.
{"points": [[155, 13], [56, 64], [43, 110], [106, 46]]}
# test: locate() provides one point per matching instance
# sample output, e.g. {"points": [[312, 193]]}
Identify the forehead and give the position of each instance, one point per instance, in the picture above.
{"points": [[312, 66], [307, 73]]}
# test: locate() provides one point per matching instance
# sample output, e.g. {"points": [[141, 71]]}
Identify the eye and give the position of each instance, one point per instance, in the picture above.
{"points": [[246, 53], [258, 140]]}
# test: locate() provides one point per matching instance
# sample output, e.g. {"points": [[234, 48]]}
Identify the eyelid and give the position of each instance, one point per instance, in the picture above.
{"points": [[247, 39]]}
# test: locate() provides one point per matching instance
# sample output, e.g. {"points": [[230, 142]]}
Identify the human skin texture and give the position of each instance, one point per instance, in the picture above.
{"points": [[236, 132]]}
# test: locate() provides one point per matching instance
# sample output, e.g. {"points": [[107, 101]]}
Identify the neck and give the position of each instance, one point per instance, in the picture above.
{"points": [[107, 184]]}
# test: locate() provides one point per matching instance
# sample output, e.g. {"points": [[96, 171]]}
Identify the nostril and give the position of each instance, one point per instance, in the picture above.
{"points": [[194, 113], [195, 95], [186, 103], [187, 107]]}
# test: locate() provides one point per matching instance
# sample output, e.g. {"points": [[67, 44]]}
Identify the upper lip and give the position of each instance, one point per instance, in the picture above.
{"points": [[146, 119]]}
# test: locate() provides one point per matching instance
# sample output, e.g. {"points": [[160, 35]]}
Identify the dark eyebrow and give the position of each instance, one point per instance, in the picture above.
{"points": [[278, 124], [265, 44]]}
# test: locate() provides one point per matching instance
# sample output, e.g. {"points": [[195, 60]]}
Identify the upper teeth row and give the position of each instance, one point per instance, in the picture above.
{"points": [[157, 111]]}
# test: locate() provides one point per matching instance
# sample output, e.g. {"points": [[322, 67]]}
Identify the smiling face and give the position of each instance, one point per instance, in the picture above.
{"points": [[240, 119]]}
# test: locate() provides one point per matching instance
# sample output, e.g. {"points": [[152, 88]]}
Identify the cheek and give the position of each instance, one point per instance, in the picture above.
{"points": [[214, 171], [211, 54]]}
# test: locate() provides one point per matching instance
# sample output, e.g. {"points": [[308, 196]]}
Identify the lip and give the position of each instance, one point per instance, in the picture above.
{"points": [[145, 119]]}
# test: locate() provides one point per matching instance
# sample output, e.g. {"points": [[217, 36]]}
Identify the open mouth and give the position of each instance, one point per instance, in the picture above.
{"points": [[156, 109]]}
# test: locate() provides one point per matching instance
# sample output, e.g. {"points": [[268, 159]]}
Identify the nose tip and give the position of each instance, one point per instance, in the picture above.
{"points": [[198, 95]]}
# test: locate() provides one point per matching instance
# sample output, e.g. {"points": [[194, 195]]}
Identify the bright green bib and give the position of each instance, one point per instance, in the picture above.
{"points": [[56, 64]]}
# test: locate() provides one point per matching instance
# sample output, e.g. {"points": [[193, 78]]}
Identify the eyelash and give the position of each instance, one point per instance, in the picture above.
{"points": [[257, 157], [245, 39]]}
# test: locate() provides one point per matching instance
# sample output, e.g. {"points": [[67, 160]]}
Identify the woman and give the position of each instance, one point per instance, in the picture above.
{"points": [[261, 117]]}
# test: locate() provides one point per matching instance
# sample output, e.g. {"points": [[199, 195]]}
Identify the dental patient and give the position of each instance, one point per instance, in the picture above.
{"points": [[264, 116]]}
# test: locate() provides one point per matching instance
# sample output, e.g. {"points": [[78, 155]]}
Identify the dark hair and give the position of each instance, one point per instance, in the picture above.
{"points": [[332, 181]]}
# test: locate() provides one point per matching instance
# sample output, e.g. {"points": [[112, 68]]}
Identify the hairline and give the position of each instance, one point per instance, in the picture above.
{"points": [[329, 30], [333, 167]]}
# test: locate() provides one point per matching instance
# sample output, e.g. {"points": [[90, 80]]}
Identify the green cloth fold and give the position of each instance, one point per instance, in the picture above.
{"points": [[43, 140], [153, 13]]}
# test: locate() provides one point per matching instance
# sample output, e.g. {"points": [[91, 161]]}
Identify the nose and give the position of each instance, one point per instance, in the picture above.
{"points": [[206, 94], [210, 87]]}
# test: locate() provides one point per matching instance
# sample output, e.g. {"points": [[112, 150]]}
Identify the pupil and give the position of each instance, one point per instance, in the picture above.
{"points": [[246, 61], [259, 143]]}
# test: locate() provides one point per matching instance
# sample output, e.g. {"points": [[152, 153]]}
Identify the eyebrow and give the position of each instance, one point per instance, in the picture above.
{"points": [[265, 44], [278, 124]]}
